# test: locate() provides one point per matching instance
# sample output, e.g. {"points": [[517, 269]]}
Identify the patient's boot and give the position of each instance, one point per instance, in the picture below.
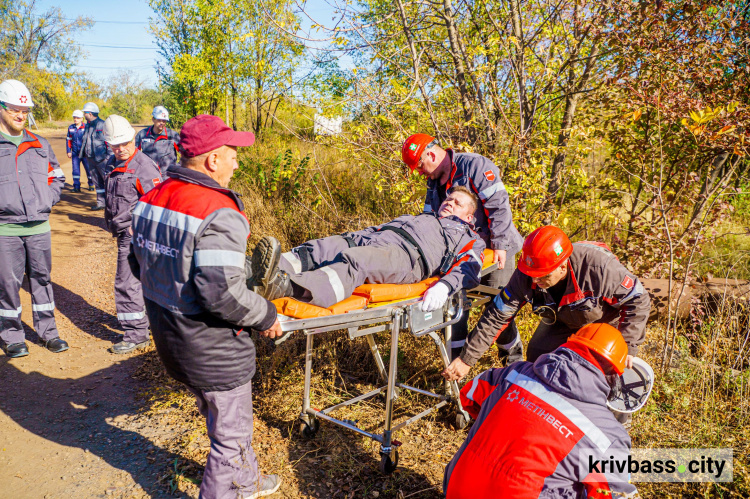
{"points": [[265, 260], [279, 286], [270, 282]]}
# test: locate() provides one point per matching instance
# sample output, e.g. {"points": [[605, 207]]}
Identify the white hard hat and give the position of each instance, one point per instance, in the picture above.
{"points": [[160, 113], [634, 388], [90, 107], [14, 92], [117, 130], [78, 113]]}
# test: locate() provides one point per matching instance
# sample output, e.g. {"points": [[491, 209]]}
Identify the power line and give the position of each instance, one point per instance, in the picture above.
{"points": [[118, 46], [95, 20], [113, 67]]}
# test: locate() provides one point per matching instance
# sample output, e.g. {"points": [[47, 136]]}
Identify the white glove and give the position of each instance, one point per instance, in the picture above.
{"points": [[435, 297]]}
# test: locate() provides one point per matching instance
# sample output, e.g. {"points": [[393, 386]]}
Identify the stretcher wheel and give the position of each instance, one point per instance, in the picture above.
{"points": [[388, 462], [309, 430], [461, 421]]}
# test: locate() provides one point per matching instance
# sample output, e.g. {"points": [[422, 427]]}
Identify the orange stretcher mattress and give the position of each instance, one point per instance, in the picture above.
{"points": [[364, 295]]}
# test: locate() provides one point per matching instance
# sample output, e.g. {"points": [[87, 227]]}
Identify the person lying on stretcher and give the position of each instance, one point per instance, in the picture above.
{"points": [[403, 251]]}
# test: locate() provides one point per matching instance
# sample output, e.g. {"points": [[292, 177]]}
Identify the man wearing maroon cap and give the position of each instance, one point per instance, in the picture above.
{"points": [[189, 240]]}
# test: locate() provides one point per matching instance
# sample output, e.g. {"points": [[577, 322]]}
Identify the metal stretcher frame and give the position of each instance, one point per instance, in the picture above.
{"points": [[367, 322]]}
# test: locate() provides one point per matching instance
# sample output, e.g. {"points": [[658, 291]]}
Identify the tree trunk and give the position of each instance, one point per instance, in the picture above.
{"points": [[458, 65], [415, 66]]}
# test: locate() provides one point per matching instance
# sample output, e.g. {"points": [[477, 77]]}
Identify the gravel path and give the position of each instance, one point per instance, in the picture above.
{"points": [[69, 422]]}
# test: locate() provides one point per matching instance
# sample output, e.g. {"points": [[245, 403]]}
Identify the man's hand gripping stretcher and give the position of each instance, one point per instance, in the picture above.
{"points": [[440, 251]]}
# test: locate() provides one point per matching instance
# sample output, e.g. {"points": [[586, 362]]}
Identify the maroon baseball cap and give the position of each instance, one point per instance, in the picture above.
{"points": [[205, 132]]}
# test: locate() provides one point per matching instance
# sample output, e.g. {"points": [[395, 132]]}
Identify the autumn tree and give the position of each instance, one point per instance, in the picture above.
{"points": [[226, 54], [37, 48]]}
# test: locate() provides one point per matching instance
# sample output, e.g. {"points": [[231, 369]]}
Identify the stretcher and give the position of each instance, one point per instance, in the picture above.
{"points": [[375, 309]]}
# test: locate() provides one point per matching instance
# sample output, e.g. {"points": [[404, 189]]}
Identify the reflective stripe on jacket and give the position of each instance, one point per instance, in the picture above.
{"points": [[162, 149], [535, 426], [189, 241], [126, 183], [599, 289], [30, 180], [494, 220]]}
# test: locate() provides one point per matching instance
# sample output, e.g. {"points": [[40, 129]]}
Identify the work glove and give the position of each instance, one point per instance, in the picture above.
{"points": [[435, 297]]}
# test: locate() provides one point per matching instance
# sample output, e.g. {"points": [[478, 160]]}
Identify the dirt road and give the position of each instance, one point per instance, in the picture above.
{"points": [[69, 423]]}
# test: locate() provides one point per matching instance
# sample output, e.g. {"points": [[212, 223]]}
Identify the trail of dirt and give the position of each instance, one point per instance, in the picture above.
{"points": [[69, 424], [72, 425]]}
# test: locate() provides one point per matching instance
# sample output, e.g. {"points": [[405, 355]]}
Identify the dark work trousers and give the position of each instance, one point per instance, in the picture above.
{"points": [[232, 468], [99, 176], [77, 162], [510, 336], [30, 255], [345, 268], [131, 309], [546, 338]]}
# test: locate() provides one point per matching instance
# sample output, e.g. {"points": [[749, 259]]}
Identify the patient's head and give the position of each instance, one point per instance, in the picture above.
{"points": [[461, 202]]}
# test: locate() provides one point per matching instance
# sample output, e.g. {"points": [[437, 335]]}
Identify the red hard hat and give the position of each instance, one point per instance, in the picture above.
{"points": [[606, 341], [413, 148], [543, 251]]}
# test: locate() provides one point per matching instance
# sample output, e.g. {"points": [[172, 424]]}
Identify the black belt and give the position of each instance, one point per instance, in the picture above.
{"points": [[422, 259], [349, 240]]}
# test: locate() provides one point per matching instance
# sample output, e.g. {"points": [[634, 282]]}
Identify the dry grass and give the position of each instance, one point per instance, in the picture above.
{"points": [[701, 401], [693, 405]]}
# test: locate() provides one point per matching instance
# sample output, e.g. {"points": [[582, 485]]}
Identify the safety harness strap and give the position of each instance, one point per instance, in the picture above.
{"points": [[407, 237]]}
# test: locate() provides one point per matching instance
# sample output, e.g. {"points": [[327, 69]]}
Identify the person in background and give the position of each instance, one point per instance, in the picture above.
{"points": [[73, 143], [30, 184], [95, 151], [159, 142], [132, 174]]}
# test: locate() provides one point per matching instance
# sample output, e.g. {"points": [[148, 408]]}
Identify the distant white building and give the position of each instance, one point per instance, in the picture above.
{"points": [[327, 126]]}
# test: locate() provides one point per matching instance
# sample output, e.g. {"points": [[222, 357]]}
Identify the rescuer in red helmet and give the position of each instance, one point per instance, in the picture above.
{"points": [[568, 285], [444, 169], [542, 427]]}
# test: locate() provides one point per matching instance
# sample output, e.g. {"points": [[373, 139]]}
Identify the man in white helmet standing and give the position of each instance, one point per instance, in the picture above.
{"points": [[132, 174], [73, 143], [30, 185], [94, 149], [159, 142]]}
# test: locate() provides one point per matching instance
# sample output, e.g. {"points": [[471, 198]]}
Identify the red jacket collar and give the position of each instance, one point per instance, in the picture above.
{"points": [[572, 291]]}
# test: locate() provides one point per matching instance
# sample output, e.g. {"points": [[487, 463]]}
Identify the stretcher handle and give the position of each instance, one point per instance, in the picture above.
{"points": [[461, 300]]}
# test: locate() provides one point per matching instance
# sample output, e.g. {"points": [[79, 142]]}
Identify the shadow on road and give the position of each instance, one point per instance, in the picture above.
{"points": [[94, 220], [80, 413], [86, 317], [75, 198]]}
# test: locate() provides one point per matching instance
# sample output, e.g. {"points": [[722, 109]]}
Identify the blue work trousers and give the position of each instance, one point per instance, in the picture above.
{"points": [[77, 171]]}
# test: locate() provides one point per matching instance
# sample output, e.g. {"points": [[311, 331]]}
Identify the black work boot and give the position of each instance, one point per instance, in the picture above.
{"points": [[124, 347], [15, 350], [264, 261], [56, 345], [279, 286], [249, 273], [515, 354]]}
